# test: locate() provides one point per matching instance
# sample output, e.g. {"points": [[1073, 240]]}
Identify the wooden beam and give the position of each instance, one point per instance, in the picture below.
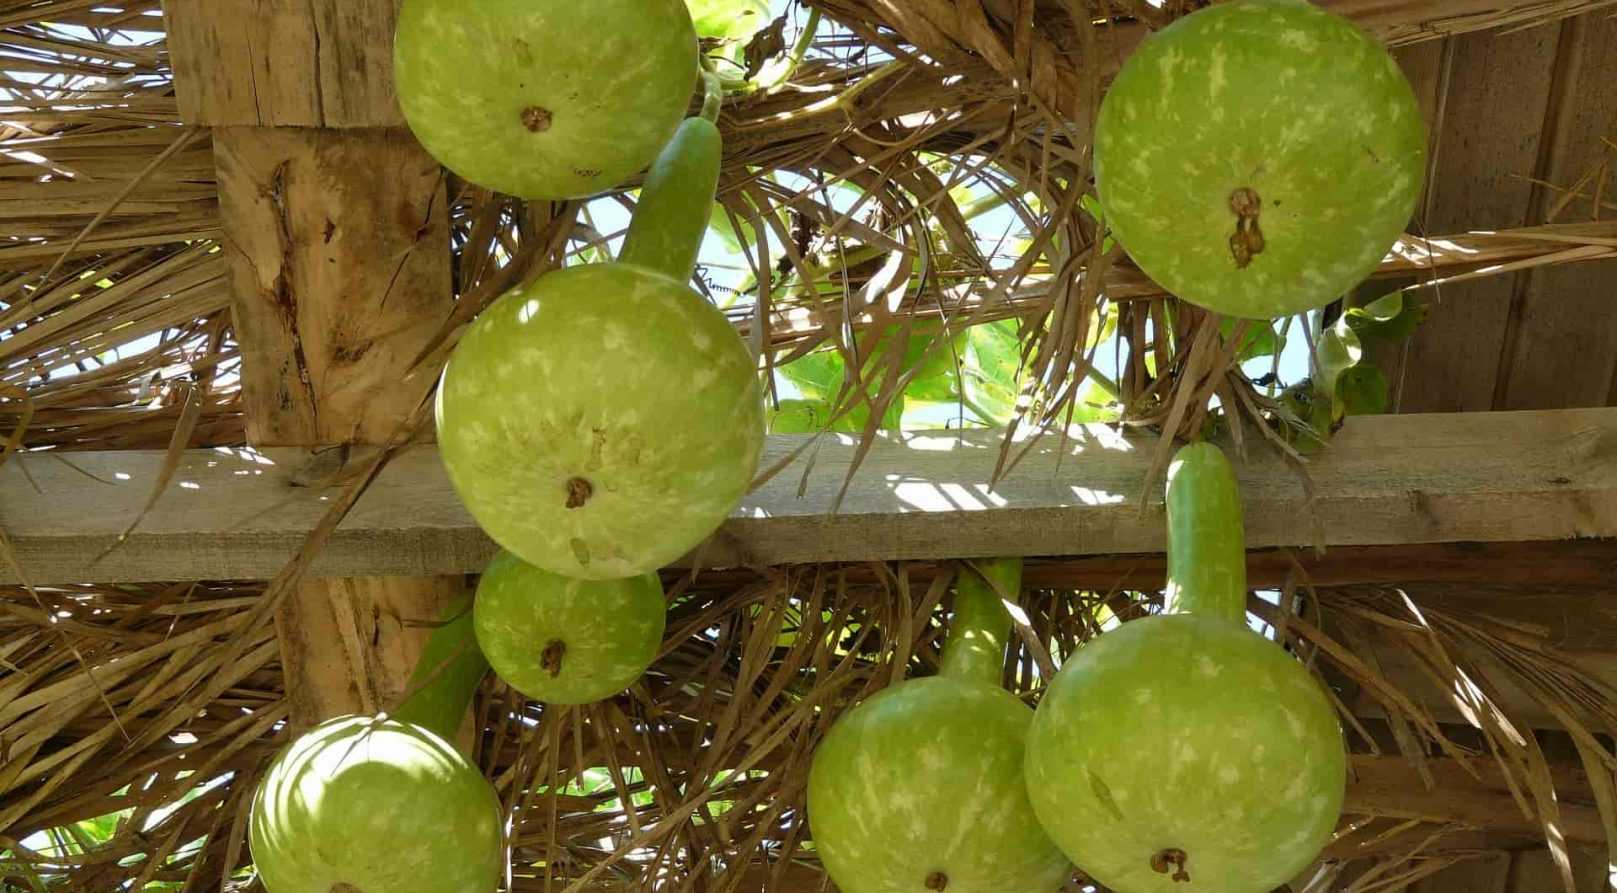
{"points": [[1385, 481], [1391, 786], [338, 243], [273, 63], [329, 64], [1468, 572], [1562, 352], [1483, 147], [1402, 22]]}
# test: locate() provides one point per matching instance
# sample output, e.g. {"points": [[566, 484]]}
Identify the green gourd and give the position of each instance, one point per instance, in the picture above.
{"points": [[1259, 157], [376, 804], [566, 641], [544, 100], [603, 420], [1184, 752], [920, 788]]}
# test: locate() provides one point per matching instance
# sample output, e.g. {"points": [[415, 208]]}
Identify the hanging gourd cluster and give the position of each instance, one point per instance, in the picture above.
{"points": [[1256, 158]]}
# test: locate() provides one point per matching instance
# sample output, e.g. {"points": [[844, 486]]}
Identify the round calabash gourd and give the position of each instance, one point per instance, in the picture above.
{"points": [[1184, 751], [1258, 158], [920, 787], [375, 804], [544, 100], [562, 640], [602, 420]]}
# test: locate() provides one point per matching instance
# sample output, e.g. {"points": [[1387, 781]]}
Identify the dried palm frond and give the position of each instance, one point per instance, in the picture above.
{"points": [[698, 771]]}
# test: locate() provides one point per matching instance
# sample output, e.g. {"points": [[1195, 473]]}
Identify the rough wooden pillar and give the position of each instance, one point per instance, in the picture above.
{"points": [[337, 232]]}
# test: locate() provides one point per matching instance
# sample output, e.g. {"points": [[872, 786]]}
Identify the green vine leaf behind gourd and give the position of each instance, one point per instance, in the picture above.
{"points": [[1392, 317], [819, 377], [991, 378], [1362, 390], [728, 19], [1259, 341], [725, 231], [1091, 204], [1345, 383]]}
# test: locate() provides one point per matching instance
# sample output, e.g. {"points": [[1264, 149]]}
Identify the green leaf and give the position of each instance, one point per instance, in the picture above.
{"points": [[1338, 350], [1102, 326], [935, 360], [810, 417], [1259, 340], [818, 375], [991, 378], [1391, 317], [1092, 204], [1362, 390], [1096, 405], [798, 417], [1311, 408], [101, 829], [728, 19], [718, 224]]}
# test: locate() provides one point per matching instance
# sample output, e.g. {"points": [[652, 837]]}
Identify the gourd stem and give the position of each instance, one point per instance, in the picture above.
{"points": [[712, 95], [446, 675], [676, 202], [805, 39], [975, 649], [1206, 546]]}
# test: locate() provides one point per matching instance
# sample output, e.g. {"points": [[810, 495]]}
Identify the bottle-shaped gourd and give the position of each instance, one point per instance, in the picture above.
{"points": [[1184, 752], [919, 789]]}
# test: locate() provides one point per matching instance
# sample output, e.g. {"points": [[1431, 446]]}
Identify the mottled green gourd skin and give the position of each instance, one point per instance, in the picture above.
{"points": [[920, 788], [378, 805], [374, 804], [545, 100], [1187, 731], [597, 635], [1275, 96], [600, 421]]}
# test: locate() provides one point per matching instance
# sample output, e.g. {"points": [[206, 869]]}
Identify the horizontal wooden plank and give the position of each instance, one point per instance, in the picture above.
{"points": [[1485, 572], [330, 64], [1386, 480], [1392, 786]]}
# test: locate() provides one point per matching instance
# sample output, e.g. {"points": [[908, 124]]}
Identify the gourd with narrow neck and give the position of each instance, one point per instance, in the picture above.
{"points": [[603, 420], [919, 789], [1184, 752], [376, 804]]}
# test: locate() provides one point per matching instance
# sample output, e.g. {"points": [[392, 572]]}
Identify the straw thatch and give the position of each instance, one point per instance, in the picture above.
{"points": [[134, 720], [695, 778]]}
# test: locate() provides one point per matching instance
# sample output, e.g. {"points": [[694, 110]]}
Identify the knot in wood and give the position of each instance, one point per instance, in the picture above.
{"points": [[937, 881]]}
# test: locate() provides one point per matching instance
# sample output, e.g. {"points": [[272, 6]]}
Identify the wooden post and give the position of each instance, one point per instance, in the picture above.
{"points": [[337, 233]]}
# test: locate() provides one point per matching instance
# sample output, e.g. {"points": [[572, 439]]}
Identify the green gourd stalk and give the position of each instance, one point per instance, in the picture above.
{"points": [[446, 675], [975, 649], [676, 202], [1206, 546]]}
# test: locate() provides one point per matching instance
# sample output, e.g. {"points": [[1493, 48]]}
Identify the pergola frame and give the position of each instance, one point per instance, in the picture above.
{"points": [[327, 199]]}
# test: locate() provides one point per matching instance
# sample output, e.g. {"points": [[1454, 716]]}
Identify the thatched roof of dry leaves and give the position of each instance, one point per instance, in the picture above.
{"points": [[159, 704]]}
